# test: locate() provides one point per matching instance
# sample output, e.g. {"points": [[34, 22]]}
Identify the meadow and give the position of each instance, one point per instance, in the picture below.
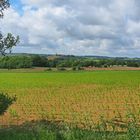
{"points": [[81, 99]]}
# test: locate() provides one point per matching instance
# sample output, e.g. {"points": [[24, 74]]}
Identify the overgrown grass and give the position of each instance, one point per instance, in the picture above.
{"points": [[44, 130], [50, 131]]}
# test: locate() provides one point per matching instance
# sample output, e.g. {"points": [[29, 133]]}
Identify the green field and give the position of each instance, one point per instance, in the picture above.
{"points": [[82, 99]]}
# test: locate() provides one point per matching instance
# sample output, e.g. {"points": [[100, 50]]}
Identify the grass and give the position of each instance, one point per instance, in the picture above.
{"points": [[74, 98], [51, 131]]}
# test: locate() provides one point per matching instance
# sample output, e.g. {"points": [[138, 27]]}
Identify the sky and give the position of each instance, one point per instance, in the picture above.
{"points": [[75, 27]]}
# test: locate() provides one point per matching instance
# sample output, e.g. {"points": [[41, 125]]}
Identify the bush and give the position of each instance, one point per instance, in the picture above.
{"points": [[5, 102]]}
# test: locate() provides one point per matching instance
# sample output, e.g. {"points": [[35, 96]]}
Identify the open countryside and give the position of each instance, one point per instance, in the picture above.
{"points": [[78, 98], [69, 70]]}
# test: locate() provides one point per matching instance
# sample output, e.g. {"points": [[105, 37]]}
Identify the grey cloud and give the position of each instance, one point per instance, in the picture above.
{"points": [[82, 27]]}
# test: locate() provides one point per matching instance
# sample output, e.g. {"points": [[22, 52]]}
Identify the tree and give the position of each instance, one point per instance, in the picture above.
{"points": [[39, 61], [7, 43], [3, 5], [5, 102]]}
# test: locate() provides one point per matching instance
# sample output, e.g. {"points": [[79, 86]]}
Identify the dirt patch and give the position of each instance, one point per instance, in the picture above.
{"points": [[111, 68]]}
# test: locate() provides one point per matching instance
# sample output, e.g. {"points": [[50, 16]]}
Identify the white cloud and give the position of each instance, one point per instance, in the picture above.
{"points": [[80, 27]]}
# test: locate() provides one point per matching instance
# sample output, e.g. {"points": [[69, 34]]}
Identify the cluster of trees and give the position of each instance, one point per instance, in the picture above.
{"points": [[109, 63], [15, 62], [92, 62], [29, 61], [95, 63], [22, 61]]}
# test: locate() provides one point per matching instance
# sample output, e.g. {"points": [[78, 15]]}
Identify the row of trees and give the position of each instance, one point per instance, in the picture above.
{"points": [[93, 63], [14, 62]]}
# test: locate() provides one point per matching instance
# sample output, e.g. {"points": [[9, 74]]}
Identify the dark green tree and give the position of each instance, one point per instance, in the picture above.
{"points": [[39, 61], [5, 102]]}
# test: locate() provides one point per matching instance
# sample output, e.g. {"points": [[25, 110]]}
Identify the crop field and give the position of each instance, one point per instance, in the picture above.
{"points": [[77, 98]]}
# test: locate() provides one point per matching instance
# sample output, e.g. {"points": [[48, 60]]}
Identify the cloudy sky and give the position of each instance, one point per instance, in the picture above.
{"points": [[79, 27]]}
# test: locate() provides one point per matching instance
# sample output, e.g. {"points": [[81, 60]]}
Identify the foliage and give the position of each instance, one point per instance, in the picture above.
{"points": [[39, 61], [15, 62], [3, 5], [5, 102], [52, 131], [74, 63], [7, 43], [43, 130]]}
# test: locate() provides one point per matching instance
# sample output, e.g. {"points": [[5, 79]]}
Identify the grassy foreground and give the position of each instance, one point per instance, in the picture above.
{"points": [[51, 131]]}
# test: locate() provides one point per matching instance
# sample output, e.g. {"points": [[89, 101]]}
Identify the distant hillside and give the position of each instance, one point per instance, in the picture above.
{"points": [[24, 60], [55, 56]]}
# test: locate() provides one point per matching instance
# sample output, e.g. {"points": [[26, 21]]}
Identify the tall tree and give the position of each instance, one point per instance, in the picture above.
{"points": [[5, 100], [3, 5], [8, 42]]}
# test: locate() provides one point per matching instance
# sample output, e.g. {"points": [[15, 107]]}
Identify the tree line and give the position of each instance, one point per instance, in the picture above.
{"points": [[29, 61]]}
